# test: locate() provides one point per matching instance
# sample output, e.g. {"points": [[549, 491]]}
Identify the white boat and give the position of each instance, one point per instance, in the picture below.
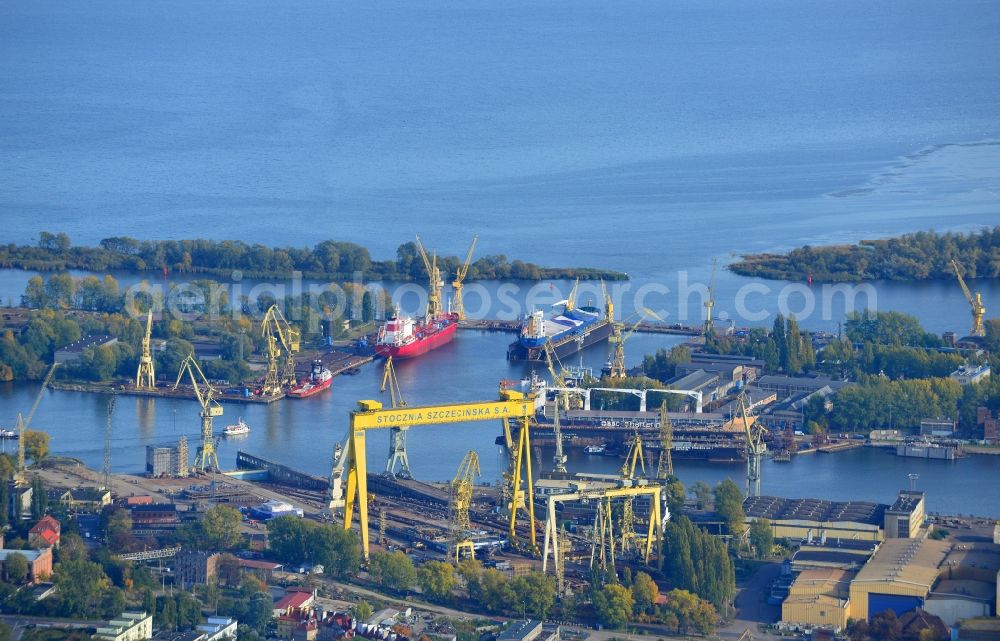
{"points": [[8, 434], [239, 429], [595, 449]]}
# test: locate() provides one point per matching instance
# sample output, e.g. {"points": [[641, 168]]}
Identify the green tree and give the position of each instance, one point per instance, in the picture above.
{"points": [[761, 537], [166, 614], [81, 585], [729, 506], [39, 498], [644, 593], [690, 612], [221, 527], [16, 568], [363, 611], [437, 579], [675, 496], [36, 445], [613, 604], [392, 570], [535, 594]]}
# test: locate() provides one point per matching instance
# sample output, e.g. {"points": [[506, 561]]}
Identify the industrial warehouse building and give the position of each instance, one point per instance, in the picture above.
{"points": [[899, 576], [807, 519], [804, 519], [951, 581], [819, 598]]}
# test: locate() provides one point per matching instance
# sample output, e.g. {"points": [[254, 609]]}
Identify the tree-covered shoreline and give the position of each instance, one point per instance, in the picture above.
{"points": [[335, 260], [925, 255]]}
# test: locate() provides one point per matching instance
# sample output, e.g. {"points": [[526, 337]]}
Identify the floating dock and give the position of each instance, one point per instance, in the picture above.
{"points": [[599, 332], [938, 452]]}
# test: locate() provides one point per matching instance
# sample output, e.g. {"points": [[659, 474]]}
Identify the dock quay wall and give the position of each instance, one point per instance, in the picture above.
{"points": [[281, 474]]}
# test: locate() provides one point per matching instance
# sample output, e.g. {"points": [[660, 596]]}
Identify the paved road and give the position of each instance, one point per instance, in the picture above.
{"points": [[752, 605]]}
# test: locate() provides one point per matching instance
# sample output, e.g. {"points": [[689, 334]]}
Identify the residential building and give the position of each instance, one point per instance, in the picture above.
{"points": [[20, 501], [39, 562], [130, 626], [296, 601], [82, 499], [45, 533], [169, 635], [75, 349], [219, 629], [196, 567]]}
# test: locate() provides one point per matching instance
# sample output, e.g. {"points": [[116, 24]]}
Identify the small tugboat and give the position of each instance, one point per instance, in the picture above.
{"points": [[238, 429]]}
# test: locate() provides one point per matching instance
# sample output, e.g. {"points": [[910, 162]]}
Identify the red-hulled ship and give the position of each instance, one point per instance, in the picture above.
{"points": [[319, 379], [404, 337]]}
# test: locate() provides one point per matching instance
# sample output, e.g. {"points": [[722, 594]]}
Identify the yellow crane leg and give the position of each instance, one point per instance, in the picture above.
{"points": [[523, 456], [357, 487]]}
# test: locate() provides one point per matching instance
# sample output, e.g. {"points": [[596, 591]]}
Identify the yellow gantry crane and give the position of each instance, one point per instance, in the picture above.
{"points": [[459, 306], [603, 550], [435, 283], [397, 435], [145, 377], [210, 408], [279, 335], [461, 500], [616, 368], [975, 303], [512, 406], [634, 459], [665, 464]]}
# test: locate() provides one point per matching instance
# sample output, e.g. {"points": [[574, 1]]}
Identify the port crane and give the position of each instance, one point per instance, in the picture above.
{"points": [[459, 306], [279, 335], [975, 303], [370, 414], [616, 367], [397, 435], [562, 403], [24, 423], [755, 446], [461, 500], [208, 460], [435, 283], [710, 302], [665, 464], [633, 460], [145, 376]]}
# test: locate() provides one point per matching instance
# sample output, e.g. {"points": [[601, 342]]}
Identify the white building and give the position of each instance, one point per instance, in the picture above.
{"points": [[219, 629], [130, 626], [970, 374]]}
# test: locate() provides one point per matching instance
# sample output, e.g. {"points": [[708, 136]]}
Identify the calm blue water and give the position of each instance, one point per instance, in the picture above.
{"points": [[639, 136]]}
